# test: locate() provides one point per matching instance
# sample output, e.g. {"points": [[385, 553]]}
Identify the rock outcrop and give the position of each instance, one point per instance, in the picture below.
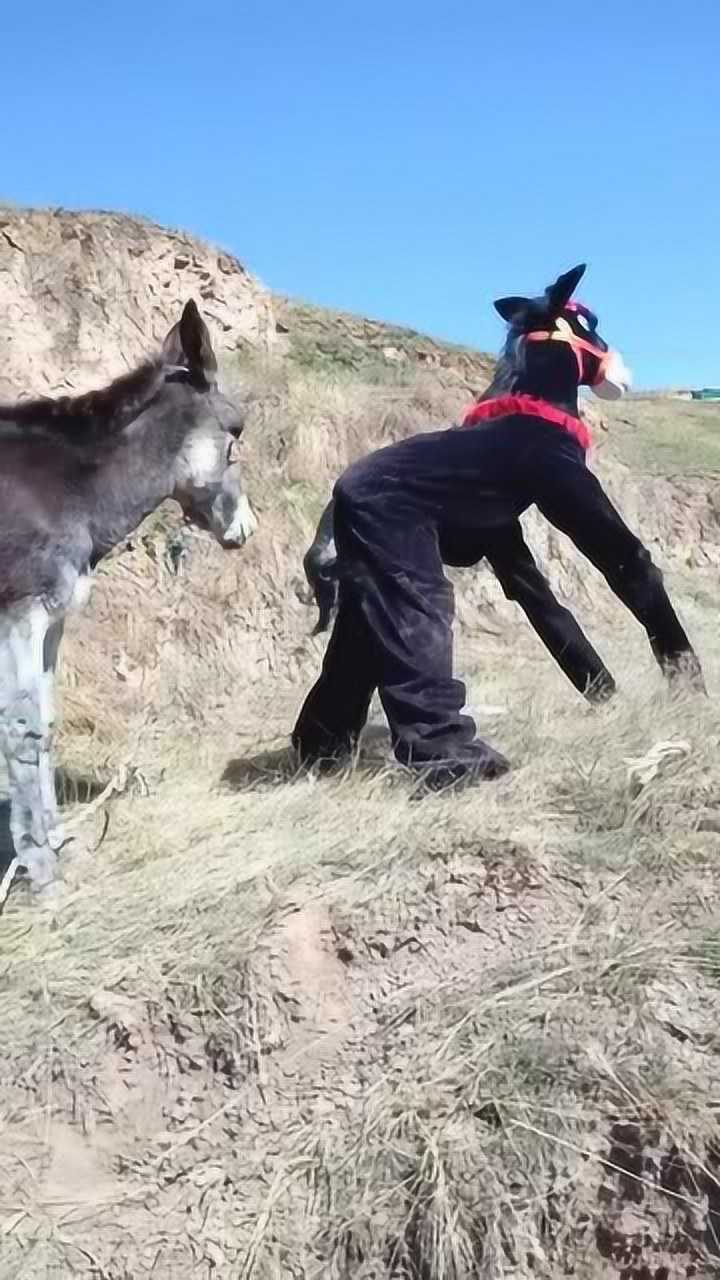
{"points": [[85, 296]]}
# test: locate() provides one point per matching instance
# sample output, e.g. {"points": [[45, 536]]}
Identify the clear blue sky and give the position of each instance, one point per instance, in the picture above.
{"points": [[406, 160]]}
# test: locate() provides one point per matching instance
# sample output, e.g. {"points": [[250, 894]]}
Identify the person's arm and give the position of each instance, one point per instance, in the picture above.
{"points": [[521, 580], [574, 501]]}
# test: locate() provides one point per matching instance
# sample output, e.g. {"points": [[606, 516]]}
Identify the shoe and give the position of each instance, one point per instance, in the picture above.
{"points": [[684, 674], [602, 689], [326, 756], [475, 763]]}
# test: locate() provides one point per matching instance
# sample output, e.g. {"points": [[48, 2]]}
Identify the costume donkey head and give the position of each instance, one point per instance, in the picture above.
{"points": [[553, 346]]}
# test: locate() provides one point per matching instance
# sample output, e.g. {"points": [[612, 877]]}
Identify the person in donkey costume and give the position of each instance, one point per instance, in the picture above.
{"points": [[513, 564], [522, 444]]}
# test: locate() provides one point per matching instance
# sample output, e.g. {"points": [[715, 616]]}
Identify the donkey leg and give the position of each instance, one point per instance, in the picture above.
{"points": [[25, 738], [46, 764], [8, 860], [8, 856]]}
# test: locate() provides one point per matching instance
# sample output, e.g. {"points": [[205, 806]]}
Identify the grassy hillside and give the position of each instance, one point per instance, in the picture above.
{"points": [[667, 437], [333, 341], [281, 1026]]}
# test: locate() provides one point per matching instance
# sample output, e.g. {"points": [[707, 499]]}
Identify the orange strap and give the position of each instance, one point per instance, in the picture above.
{"points": [[577, 344]]}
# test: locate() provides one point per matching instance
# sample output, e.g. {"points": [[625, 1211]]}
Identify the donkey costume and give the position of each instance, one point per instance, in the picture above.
{"points": [[512, 562], [523, 443]]}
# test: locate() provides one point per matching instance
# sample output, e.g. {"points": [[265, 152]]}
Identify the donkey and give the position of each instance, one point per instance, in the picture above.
{"points": [[77, 475]]}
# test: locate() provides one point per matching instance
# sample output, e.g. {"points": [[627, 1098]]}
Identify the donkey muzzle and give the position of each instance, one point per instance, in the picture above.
{"points": [[241, 527], [232, 519]]}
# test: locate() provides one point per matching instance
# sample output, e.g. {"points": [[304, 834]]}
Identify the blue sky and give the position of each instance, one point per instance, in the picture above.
{"points": [[410, 161]]}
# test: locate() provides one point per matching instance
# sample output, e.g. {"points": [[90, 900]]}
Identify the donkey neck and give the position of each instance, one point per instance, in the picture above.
{"points": [[130, 477]]}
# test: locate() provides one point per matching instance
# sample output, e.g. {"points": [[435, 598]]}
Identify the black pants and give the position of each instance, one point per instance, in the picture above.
{"points": [[394, 623], [336, 709], [513, 564]]}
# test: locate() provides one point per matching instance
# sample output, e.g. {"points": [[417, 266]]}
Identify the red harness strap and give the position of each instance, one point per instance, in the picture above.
{"points": [[531, 406]]}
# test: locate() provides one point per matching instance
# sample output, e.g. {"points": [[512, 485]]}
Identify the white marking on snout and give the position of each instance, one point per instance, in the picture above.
{"points": [[201, 459], [616, 380], [243, 524]]}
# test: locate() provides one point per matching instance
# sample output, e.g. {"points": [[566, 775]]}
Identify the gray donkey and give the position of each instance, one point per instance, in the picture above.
{"points": [[76, 477]]}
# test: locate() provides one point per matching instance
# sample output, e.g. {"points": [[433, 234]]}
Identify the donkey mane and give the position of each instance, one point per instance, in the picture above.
{"points": [[109, 409]]}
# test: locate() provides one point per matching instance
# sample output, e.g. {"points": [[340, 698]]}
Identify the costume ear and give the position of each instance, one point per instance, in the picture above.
{"points": [[559, 294], [512, 309]]}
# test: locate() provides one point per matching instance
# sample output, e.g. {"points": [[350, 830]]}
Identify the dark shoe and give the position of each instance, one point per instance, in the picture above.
{"points": [[475, 763], [327, 756], [602, 689], [684, 674]]}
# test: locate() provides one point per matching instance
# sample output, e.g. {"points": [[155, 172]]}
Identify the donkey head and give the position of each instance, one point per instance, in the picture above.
{"points": [[207, 475], [553, 318]]}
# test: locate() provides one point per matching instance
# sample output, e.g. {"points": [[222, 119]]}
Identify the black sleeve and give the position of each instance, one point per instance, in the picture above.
{"points": [[521, 580], [573, 500]]}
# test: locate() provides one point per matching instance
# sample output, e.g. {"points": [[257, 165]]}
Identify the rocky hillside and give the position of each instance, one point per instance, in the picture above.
{"points": [[316, 336], [84, 296]]}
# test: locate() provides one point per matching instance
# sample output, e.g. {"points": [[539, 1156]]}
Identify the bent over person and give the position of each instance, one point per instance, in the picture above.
{"points": [[512, 562], [522, 444]]}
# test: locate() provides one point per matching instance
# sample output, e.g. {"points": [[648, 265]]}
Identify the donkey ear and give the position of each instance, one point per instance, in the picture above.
{"points": [[559, 294], [512, 309], [188, 344], [195, 338], [172, 348]]}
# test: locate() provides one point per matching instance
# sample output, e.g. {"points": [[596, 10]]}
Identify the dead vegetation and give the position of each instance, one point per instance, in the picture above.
{"points": [[289, 1027]]}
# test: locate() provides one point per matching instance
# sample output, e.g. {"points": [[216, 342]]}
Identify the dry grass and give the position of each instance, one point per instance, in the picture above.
{"points": [[289, 1027], [668, 437]]}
